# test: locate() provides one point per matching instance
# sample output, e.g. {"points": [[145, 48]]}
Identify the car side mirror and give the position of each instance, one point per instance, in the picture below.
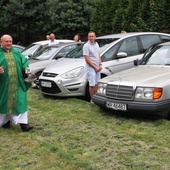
{"points": [[30, 55], [58, 56], [121, 55], [136, 62]]}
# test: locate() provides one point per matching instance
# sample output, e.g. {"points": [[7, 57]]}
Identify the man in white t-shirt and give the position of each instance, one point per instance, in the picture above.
{"points": [[52, 40], [93, 62]]}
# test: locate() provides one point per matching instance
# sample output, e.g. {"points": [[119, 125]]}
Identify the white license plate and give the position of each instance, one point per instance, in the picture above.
{"points": [[46, 84], [116, 106]]}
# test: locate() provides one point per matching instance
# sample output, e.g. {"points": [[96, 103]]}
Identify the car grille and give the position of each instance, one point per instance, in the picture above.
{"points": [[52, 90], [46, 74], [119, 92]]}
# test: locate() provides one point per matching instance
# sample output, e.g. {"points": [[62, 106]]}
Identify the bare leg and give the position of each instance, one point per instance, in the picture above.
{"points": [[92, 90], [96, 86]]}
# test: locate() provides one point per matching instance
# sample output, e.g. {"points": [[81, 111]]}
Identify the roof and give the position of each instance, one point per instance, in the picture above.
{"points": [[59, 40], [120, 35]]}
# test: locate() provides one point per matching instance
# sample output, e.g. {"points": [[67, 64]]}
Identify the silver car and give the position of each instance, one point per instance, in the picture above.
{"points": [[36, 46], [18, 47], [144, 89], [67, 76], [47, 55]]}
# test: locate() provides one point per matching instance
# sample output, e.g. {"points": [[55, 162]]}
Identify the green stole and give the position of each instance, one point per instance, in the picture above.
{"points": [[13, 79]]}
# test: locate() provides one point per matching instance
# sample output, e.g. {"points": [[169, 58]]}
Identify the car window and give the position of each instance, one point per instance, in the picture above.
{"points": [[63, 52], [104, 47], [109, 54], [104, 41], [31, 49], [76, 53], [159, 56], [45, 54], [20, 49], [165, 38], [129, 46], [148, 40]]}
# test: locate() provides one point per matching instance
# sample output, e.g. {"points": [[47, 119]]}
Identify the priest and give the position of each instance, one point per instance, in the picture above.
{"points": [[13, 89]]}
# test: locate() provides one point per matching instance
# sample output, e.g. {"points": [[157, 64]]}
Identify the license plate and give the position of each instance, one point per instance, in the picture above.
{"points": [[116, 106], [46, 84]]}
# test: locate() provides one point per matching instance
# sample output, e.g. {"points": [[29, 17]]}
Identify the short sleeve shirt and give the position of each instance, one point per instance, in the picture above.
{"points": [[92, 50], [55, 42]]}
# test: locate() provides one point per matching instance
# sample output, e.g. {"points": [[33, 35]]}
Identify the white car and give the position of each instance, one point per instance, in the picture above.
{"points": [[36, 46], [142, 90], [68, 77]]}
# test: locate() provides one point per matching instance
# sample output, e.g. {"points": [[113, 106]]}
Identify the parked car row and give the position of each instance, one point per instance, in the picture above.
{"points": [[64, 74], [67, 76]]}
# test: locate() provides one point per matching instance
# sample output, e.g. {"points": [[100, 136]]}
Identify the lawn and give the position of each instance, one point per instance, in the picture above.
{"points": [[72, 134]]}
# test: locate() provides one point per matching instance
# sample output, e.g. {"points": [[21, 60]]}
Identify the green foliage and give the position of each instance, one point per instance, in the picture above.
{"points": [[31, 20], [70, 17], [159, 15], [22, 19], [130, 15]]}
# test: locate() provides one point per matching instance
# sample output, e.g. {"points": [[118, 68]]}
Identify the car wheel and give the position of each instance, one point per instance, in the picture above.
{"points": [[168, 116], [87, 94], [36, 82]]}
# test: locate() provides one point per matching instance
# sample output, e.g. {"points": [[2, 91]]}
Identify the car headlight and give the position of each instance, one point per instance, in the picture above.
{"points": [[102, 88], [73, 73], [148, 93]]}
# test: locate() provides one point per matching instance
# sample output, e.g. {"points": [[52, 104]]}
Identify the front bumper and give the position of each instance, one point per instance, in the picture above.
{"points": [[74, 87], [160, 108]]}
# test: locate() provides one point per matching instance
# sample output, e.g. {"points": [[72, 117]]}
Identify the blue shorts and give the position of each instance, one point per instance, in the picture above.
{"points": [[92, 76]]}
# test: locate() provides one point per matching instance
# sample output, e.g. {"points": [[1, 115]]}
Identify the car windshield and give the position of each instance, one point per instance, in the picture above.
{"points": [[158, 56], [28, 50], [78, 52], [45, 53]]}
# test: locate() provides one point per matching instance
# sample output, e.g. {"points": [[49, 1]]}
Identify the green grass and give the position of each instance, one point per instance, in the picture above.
{"points": [[72, 134]]}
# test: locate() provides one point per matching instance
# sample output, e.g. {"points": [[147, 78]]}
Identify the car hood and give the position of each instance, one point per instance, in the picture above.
{"points": [[65, 64], [141, 75], [32, 61], [39, 64]]}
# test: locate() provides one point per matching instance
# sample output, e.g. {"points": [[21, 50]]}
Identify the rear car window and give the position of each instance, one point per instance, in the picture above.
{"points": [[148, 40]]}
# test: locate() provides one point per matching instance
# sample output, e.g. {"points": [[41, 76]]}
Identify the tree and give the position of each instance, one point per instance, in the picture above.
{"points": [[69, 17], [22, 19], [103, 16], [31, 20], [131, 15], [159, 15]]}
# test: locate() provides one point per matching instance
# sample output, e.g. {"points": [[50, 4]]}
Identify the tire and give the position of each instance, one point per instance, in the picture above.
{"points": [[87, 94], [168, 117], [36, 81]]}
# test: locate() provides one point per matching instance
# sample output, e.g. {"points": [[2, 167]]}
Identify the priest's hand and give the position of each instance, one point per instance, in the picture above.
{"points": [[28, 70]]}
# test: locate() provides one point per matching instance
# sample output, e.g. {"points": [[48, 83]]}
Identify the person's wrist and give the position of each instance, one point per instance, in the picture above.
{"points": [[100, 64]]}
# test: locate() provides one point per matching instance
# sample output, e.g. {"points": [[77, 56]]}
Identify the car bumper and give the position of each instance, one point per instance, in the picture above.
{"points": [[64, 88], [160, 108]]}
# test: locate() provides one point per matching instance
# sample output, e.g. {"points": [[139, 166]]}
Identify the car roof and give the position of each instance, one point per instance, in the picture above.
{"points": [[16, 45], [59, 40], [65, 44], [120, 35]]}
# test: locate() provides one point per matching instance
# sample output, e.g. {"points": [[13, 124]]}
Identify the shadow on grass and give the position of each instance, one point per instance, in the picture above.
{"points": [[125, 115]]}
